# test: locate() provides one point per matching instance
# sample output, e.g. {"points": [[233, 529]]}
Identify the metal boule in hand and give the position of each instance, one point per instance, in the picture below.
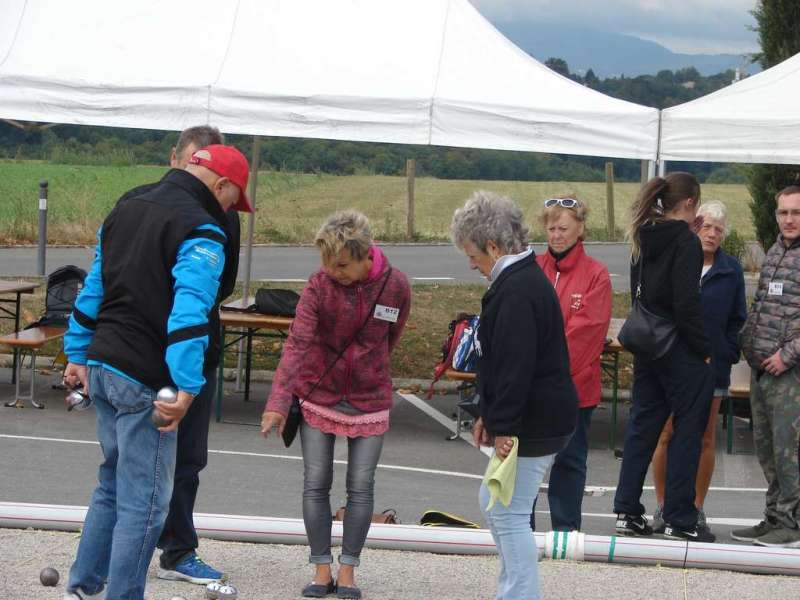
{"points": [[168, 395], [77, 400]]}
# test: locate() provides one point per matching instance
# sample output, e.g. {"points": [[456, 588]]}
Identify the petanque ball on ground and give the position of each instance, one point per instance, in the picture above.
{"points": [[228, 592], [212, 590], [48, 576], [178, 598]]}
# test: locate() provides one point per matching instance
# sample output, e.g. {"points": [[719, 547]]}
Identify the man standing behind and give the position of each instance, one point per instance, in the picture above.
{"points": [[141, 323], [771, 344], [178, 541]]}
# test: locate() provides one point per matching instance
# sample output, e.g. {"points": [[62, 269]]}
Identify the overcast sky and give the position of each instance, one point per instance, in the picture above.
{"points": [[691, 26]]}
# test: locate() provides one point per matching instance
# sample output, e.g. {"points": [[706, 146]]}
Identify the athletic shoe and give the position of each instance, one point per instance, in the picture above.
{"points": [[658, 520], [191, 569], [696, 534], [81, 595], [780, 537], [632, 525], [751, 534]]}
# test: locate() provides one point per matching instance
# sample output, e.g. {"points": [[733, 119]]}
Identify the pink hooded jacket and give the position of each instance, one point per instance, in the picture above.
{"points": [[327, 316]]}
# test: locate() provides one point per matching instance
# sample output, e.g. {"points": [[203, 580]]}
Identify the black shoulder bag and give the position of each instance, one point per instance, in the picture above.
{"points": [[293, 418], [644, 332]]}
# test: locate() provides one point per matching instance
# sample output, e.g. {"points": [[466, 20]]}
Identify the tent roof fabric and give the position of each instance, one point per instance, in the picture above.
{"points": [[415, 72], [756, 120]]}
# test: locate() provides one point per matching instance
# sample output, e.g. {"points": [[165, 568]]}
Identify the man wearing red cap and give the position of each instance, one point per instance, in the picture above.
{"points": [[141, 323]]}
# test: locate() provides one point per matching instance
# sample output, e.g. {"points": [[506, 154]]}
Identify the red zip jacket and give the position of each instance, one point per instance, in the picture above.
{"points": [[583, 288], [327, 316]]}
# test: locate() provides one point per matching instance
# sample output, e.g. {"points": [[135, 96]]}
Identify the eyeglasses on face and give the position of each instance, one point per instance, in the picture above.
{"points": [[565, 202], [782, 213]]}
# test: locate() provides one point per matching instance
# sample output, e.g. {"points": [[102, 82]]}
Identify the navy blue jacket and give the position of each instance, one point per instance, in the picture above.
{"points": [[724, 309]]}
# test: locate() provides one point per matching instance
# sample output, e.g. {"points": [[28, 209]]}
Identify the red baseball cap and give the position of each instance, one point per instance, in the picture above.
{"points": [[226, 161]]}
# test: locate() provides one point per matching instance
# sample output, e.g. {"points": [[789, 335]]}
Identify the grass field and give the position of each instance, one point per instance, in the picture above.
{"points": [[291, 206]]}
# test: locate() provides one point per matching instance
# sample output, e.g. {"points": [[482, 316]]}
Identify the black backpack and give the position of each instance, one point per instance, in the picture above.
{"points": [[63, 287]]}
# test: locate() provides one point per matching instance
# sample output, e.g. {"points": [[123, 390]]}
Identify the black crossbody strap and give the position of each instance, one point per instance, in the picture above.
{"points": [[352, 339]]}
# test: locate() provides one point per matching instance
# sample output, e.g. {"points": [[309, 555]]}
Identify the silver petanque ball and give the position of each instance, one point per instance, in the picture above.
{"points": [[168, 395], [77, 400], [178, 598], [228, 592], [48, 576], [212, 590]]}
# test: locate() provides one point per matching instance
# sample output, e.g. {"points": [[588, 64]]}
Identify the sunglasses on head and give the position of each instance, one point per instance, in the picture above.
{"points": [[565, 202]]}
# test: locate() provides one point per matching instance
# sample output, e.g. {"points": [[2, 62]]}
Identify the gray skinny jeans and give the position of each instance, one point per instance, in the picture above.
{"points": [[362, 459]]}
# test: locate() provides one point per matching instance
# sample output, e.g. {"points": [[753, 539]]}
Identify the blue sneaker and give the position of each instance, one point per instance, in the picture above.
{"points": [[191, 569]]}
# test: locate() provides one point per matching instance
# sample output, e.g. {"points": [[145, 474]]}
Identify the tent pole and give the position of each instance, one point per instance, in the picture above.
{"points": [[662, 168], [248, 256]]}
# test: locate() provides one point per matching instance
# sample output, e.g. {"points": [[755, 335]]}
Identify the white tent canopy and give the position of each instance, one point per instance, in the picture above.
{"points": [[756, 120], [415, 72]]}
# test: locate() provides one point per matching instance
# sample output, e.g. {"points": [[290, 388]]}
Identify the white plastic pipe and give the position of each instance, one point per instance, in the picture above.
{"points": [[554, 545]]}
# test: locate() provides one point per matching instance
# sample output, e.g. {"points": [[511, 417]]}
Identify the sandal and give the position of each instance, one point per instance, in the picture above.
{"points": [[319, 590], [351, 593]]}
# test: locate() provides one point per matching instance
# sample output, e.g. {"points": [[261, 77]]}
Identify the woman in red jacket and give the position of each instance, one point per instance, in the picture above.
{"points": [[356, 298], [583, 288]]}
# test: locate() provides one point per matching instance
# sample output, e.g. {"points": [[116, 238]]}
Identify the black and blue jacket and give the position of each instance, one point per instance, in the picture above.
{"points": [[144, 310]]}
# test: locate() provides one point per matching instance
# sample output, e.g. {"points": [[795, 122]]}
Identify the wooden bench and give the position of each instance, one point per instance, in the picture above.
{"points": [[29, 341]]}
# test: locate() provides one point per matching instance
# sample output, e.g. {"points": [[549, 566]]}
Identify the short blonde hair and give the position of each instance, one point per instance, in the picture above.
{"points": [[345, 229], [580, 211]]}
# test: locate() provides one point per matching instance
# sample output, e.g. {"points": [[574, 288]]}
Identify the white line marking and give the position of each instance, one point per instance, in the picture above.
{"points": [[440, 418], [589, 490], [260, 455], [288, 280], [433, 278]]}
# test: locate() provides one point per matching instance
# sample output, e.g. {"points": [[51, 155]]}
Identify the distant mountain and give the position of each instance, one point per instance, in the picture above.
{"points": [[611, 54]]}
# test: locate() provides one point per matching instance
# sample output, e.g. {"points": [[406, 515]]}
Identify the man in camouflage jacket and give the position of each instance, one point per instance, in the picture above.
{"points": [[771, 344]]}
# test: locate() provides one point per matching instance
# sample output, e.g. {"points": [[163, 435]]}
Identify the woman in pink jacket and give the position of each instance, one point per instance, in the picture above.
{"points": [[583, 287], [357, 302]]}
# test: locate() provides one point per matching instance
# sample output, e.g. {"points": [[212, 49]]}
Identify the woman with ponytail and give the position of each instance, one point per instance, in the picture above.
{"points": [[667, 258]]}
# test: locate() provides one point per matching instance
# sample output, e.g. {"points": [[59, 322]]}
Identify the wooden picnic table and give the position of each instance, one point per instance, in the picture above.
{"points": [[233, 316], [15, 288]]}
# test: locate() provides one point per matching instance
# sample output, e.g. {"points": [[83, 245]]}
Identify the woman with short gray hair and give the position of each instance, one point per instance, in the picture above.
{"points": [[528, 403]]}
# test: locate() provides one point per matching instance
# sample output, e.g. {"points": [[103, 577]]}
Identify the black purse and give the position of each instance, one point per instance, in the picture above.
{"points": [[644, 332], [295, 415]]}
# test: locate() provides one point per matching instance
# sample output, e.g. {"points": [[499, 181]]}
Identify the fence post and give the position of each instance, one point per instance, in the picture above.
{"points": [[42, 249], [411, 173], [610, 201]]}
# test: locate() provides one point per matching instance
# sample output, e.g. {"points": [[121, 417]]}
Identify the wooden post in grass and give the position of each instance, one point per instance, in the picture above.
{"points": [[411, 173], [610, 200]]}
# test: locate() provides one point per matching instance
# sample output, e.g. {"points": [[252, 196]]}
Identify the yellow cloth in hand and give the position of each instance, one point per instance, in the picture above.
{"points": [[501, 476]]}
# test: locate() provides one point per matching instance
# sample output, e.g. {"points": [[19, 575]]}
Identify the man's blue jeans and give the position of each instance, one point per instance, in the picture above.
{"points": [[511, 530], [130, 503]]}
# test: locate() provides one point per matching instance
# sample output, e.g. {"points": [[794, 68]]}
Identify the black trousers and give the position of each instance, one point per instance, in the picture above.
{"points": [[682, 385], [179, 537]]}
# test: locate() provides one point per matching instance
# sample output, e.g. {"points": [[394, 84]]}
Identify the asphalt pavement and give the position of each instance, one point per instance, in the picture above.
{"points": [[52, 457], [421, 263]]}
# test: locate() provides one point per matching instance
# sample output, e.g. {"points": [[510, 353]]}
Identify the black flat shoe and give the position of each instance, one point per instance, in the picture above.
{"points": [[319, 590], [351, 593]]}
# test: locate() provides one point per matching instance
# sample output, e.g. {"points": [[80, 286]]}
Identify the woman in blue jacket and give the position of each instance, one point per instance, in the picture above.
{"points": [[724, 310]]}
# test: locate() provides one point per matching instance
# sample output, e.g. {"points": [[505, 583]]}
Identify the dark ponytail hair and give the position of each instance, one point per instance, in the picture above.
{"points": [[657, 197]]}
